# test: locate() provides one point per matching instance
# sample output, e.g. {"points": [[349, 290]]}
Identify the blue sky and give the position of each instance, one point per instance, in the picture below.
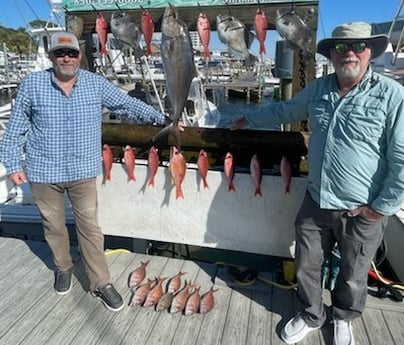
{"points": [[18, 13]]}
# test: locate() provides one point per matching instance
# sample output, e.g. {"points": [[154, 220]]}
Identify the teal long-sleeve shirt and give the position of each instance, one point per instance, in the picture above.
{"points": [[356, 146]]}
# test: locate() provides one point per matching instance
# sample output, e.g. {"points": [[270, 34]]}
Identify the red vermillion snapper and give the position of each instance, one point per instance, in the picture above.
{"points": [[124, 29], [107, 159], [203, 26], [192, 305], [180, 299], [178, 168], [138, 274], [256, 174], [129, 157], [229, 170], [286, 172], [295, 31], [179, 67], [203, 166], [153, 162], [147, 27], [207, 301], [175, 282], [235, 35], [141, 293], [155, 293], [101, 28], [260, 26]]}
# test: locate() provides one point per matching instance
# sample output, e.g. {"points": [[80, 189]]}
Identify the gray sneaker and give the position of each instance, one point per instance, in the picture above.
{"points": [[110, 297], [63, 282], [296, 329], [343, 334]]}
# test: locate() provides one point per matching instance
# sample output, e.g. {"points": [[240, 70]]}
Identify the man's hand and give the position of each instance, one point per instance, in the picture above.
{"points": [[18, 178], [366, 212]]}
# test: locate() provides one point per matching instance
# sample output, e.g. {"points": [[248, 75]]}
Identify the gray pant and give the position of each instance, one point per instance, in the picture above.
{"points": [[83, 197], [317, 230]]}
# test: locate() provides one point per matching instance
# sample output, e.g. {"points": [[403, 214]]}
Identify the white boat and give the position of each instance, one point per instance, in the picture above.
{"points": [[7, 95]]}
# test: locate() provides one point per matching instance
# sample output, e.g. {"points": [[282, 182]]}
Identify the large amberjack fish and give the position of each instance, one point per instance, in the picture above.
{"points": [[260, 27], [234, 34], [107, 160], [295, 31], [178, 168], [203, 26], [101, 28], [179, 67], [125, 29], [147, 27]]}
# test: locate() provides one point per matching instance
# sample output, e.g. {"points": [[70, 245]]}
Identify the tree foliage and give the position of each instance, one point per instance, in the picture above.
{"points": [[18, 40]]}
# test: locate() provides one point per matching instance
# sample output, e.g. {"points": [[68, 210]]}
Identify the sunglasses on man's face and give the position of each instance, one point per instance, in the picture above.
{"points": [[356, 47], [62, 53]]}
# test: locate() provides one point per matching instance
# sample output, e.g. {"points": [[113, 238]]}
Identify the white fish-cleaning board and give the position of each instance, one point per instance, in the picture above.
{"points": [[211, 217]]}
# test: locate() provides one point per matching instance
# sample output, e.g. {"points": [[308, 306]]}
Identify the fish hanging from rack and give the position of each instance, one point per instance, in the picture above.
{"points": [[260, 27], [179, 68], [147, 28], [234, 34], [124, 29], [101, 28], [295, 31], [203, 26]]}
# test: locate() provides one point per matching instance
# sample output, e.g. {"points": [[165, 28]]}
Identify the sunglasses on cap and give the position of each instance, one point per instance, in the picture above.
{"points": [[63, 52], [356, 47]]}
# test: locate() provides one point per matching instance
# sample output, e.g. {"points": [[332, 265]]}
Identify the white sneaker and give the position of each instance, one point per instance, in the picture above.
{"points": [[296, 329], [343, 334]]}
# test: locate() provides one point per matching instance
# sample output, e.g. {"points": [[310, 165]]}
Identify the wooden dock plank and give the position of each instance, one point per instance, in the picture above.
{"points": [[126, 318], [92, 329], [252, 315], [395, 324]]}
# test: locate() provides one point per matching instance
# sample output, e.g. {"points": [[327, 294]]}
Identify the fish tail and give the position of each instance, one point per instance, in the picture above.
{"points": [[131, 177], [172, 129], [151, 181], [258, 191], [179, 193], [287, 189], [205, 184], [206, 54], [231, 187]]}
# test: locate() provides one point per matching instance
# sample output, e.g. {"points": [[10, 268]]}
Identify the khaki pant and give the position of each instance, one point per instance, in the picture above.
{"points": [[83, 198], [317, 231]]}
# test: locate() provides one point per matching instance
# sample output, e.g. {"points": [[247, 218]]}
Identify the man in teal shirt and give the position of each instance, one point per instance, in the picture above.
{"points": [[356, 175]]}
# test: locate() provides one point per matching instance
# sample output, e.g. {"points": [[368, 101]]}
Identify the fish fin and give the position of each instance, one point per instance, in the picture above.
{"points": [[205, 184], [231, 187], [179, 193], [258, 191]]}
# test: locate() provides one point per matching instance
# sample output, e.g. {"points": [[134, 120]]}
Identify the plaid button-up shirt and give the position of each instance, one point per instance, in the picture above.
{"points": [[61, 135]]}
